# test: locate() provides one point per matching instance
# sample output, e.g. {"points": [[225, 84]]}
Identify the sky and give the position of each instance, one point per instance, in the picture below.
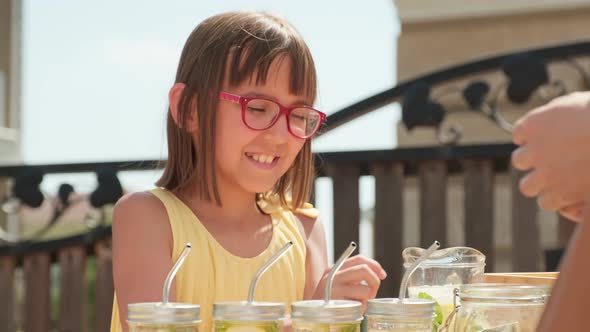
{"points": [[96, 75]]}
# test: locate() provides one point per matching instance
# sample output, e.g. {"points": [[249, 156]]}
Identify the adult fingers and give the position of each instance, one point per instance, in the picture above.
{"points": [[573, 212], [533, 183], [522, 158]]}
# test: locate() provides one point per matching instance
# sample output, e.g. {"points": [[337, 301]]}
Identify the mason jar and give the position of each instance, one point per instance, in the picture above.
{"points": [[500, 307], [159, 317], [319, 316], [415, 315], [249, 316]]}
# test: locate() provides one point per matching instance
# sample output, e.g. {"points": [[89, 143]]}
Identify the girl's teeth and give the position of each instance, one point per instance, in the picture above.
{"points": [[262, 158]]}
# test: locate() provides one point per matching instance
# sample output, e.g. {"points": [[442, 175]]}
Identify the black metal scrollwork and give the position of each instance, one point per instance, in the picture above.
{"points": [[525, 75]]}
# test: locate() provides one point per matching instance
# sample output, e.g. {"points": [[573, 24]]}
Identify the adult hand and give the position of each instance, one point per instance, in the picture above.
{"points": [[554, 144]]}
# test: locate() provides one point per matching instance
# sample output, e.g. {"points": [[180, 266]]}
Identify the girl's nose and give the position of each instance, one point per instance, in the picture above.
{"points": [[279, 131]]}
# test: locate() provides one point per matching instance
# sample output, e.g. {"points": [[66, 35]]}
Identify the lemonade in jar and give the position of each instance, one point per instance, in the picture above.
{"points": [[328, 315], [249, 316], [500, 307], [319, 316], [157, 317], [393, 315]]}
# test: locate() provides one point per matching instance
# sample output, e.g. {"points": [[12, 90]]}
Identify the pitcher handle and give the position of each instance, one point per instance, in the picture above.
{"points": [[446, 326]]}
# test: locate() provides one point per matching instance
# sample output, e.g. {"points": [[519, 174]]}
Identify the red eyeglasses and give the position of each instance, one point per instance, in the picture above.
{"points": [[261, 114]]}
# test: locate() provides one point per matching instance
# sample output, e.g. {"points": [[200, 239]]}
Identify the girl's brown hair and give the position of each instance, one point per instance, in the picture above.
{"points": [[244, 44]]}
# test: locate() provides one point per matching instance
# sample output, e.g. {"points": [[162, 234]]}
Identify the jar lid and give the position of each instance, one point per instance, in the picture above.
{"points": [[249, 311], [511, 293], [158, 313], [408, 308], [318, 311]]}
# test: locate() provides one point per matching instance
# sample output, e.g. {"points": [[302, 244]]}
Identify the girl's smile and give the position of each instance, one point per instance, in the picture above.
{"points": [[264, 161]]}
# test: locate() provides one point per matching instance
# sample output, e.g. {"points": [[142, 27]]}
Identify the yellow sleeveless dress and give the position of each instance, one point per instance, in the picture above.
{"points": [[212, 274]]}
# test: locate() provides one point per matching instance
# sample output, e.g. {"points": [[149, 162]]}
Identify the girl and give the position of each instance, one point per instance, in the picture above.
{"points": [[238, 175]]}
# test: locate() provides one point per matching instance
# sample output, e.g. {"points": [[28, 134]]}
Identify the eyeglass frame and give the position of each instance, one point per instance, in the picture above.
{"points": [[286, 110]]}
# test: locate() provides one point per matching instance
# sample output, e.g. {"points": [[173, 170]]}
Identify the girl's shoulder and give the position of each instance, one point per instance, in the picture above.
{"points": [[141, 214], [141, 202]]}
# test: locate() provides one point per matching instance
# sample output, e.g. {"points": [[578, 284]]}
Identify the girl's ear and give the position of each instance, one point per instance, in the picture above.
{"points": [[174, 97]]}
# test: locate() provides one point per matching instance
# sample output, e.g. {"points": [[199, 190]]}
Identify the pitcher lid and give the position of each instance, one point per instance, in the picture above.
{"points": [[455, 256]]}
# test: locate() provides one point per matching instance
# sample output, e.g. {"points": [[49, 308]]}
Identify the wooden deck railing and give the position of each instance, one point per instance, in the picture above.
{"points": [[34, 261], [478, 165]]}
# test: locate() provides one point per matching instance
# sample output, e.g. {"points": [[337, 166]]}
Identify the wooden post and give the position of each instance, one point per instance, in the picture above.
{"points": [[433, 202], [7, 265], [72, 262], [346, 205], [388, 225], [479, 208], [36, 268], [104, 285], [525, 229]]}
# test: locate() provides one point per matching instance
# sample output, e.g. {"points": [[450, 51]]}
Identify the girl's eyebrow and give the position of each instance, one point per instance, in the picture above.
{"points": [[261, 95]]}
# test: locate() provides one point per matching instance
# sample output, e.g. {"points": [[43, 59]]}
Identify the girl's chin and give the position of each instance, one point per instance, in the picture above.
{"points": [[259, 187]]}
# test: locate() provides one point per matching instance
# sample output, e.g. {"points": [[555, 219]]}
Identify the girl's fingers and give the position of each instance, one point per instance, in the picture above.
{"points": [[352, 292], [362, 260], [356, 274]]}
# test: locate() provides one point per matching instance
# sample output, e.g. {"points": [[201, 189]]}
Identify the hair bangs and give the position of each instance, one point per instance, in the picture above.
{"points": [[252, 57]]}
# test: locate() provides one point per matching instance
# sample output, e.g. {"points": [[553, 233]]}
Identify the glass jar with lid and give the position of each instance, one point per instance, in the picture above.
{"points": [[249, 316], [159, 317], [500, 307], [415, 315], [322, 316]]}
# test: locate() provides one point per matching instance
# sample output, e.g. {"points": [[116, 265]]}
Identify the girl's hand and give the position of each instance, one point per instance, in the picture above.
{"points": [[358, 279]]}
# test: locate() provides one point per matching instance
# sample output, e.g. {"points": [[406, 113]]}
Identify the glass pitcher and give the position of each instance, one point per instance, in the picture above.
{"points": [[446, 269]]}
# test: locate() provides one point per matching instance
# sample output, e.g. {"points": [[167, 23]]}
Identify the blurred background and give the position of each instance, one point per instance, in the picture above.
{"points": [[420, 96]]}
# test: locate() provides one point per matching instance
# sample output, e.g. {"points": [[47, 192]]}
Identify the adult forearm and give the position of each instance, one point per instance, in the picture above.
{"points": [[567, 308]]}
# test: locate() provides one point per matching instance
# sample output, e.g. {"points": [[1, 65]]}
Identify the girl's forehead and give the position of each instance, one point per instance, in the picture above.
{"points": [[262, 80]]}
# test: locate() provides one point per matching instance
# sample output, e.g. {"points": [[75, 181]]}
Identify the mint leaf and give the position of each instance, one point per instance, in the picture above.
{"points": [[438, 320]]}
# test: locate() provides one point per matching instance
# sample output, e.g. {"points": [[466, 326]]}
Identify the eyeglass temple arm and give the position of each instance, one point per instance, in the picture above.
{"points": [[229, 97]]}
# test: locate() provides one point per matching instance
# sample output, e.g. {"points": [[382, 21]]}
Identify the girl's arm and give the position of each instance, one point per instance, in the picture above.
{"points": [[142, 251], [316, 260]]}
